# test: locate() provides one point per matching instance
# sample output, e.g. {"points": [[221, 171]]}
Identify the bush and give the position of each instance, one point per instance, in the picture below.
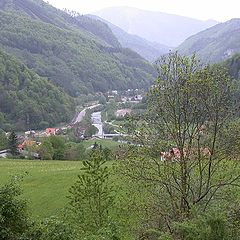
{"points": [[13, 211]]}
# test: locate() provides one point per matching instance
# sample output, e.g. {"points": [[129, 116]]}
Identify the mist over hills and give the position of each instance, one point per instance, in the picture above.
{"points": [[215, 44], [149, 50], [167, 29]]}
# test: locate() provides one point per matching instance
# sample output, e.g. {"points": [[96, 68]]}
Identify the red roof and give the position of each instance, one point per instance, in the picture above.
{"points": [[50, 130]]}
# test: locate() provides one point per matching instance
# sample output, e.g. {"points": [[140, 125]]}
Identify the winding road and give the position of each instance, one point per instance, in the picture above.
{"points": [[81, 114]]}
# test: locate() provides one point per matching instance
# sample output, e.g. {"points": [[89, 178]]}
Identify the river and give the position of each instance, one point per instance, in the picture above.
{"points": [[97, 122]]}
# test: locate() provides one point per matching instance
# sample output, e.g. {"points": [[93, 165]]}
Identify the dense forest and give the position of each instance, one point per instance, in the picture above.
{"points": [[233, 65], [27, 100]]}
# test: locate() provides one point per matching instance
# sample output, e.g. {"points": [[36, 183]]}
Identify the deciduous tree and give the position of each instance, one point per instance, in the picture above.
{"points": [[180, 158], [92, 196], [12, 143]]}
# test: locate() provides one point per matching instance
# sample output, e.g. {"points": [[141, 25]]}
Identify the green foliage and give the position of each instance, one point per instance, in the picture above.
{"points": [[13, 211], [108, 128], [107, 153], [90, 131], [46, 150], [181, 160], [58, 144], [44, 125], [98, 28], [75, 151], [102, 100], [12, 143], [27, 100], [3, 140], [55, 148], [206, 227], [52, 228], [233, 65], [92, 196]]}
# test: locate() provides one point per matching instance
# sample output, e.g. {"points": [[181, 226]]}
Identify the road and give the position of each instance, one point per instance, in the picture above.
{"points": [[81, 114]]}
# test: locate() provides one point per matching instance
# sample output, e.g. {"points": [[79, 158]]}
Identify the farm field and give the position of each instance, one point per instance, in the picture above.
{"points": [[45, 184]]}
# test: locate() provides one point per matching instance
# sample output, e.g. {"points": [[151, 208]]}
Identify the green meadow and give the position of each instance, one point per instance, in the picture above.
{"points": [[45, 183]]}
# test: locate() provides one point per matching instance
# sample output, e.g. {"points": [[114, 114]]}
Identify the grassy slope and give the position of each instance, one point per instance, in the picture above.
{"points": [[46, 183]]}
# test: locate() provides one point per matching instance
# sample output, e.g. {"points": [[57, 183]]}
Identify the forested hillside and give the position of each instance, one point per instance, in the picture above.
{"points": [[233, 65], [71, 53], [215, 44], [28, 101]]}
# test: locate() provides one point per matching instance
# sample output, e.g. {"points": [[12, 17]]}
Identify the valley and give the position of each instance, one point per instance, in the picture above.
{"points": [[119, 122]]}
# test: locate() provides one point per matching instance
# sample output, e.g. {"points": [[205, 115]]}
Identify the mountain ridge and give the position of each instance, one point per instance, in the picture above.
{"points": [[149, 50], [214, 44], [174, 28]]}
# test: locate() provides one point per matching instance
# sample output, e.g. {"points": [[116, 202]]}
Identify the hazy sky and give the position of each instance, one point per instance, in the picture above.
{"points": [[220, 10]]}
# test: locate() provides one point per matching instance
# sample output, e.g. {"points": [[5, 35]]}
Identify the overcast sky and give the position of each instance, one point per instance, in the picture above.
{"points": [[220, 10]]}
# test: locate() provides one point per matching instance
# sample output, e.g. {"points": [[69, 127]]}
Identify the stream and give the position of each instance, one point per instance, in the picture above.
{"points": [[97, 122]]}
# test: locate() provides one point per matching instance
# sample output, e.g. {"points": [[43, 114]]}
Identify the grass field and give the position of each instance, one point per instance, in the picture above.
{"points": [[45, 184]]}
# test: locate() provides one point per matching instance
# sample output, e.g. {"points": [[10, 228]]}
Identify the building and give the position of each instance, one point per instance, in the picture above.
{"points": [[50, 132], [122, 112]]}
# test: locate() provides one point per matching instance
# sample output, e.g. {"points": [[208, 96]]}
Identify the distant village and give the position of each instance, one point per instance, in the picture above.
{"points": [[32, 138]]}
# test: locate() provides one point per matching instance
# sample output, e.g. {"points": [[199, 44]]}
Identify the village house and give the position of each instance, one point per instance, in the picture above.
{"points": [[30, 133], [174, 154], [51, 132], [122, 112], [25, 144]]}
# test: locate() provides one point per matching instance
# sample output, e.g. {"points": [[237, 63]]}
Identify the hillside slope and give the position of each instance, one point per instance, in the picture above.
{"points": [[233, 65], [80, 55], [28, 101], [149, 50], [167, 29], [215, 44]]}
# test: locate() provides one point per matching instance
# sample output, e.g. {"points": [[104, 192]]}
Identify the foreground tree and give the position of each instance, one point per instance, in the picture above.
{"points": [[182, 160], [13, 212], [92, 196]]}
